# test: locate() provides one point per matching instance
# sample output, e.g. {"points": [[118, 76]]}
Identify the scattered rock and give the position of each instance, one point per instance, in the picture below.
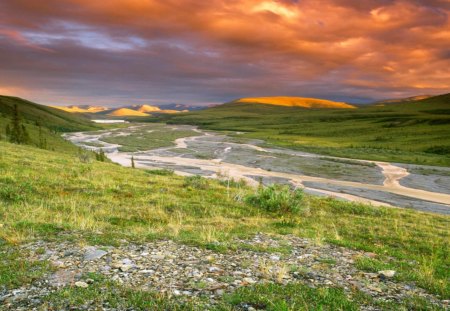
{"points": [[62, 278], [94, 254], [249, 280], [387, 274], [81, 284], [188, 271]]}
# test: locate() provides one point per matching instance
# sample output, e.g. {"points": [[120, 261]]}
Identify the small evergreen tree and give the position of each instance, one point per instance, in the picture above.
{"points": [[42, 140], [100, 156], [18, 133], [15, 130], [25, 136]]}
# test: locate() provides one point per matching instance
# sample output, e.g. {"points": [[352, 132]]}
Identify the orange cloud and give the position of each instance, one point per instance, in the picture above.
{"points": [[329, 47]]}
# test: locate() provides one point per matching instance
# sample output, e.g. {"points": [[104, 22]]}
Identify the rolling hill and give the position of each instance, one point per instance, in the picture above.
{"points": [[402, 100], [81, 108], [43, 123], [126, 112], [50, 117], [410, 132], [151, 109], [300, 102], [145, 108]]}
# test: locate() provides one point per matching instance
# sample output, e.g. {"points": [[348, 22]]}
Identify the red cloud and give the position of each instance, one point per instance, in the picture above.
{"points": [[377, 46]]}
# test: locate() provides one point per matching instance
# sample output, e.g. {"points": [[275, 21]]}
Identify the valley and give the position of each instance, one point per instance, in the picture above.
{"points": [[190, 151], [175, 216], [273, 155]]}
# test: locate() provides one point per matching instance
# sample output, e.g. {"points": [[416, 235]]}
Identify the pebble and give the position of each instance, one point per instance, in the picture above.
{"points": [[81, 284], [94, 254], [387, 274], [188, 271]]}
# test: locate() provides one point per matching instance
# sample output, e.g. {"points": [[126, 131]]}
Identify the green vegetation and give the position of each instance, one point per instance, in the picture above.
{"points": [[277, 199], [292, 297], [17, 132], [52, 118], [15, 270], [48, 193], [58, 193], [267, 297], [410, 132], [147, 137], [25, 122]]}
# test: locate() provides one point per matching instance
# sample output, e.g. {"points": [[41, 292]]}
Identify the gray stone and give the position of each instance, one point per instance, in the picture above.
{"points": [[94, 254], [61, 278], [387, 273], [81, 284]]}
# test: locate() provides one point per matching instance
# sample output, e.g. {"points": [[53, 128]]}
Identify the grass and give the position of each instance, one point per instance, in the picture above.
{"points": [[109, 294], [146, 137], [44, 194], [271, 297], [267, 297], [275, 297], [413, 132], [53, 122], [15, 270], [278, 199], [51, 118]]}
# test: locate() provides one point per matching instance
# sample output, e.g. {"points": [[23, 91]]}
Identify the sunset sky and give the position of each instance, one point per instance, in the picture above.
{"points": [[116, 52]]}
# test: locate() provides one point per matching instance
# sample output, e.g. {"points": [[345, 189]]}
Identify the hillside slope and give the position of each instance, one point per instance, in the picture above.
{"points": [[409, 132], [52, 118], [402, 100], [53, 203], [81, 108], [126, 112], [43, 123], [301, 102]]}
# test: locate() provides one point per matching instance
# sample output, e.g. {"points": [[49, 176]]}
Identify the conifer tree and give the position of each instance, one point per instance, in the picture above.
{"points": [[102, 155], [42, 139], [25, 136], [18, 134]]}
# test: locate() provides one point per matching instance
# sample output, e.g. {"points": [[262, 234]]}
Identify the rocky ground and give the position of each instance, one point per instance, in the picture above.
{"points": [[189, 272]]}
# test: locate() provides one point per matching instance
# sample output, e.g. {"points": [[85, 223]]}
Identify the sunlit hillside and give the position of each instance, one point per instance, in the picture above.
{"points": [[81, 109], [295, 102], [151, 109], [125, 112]]}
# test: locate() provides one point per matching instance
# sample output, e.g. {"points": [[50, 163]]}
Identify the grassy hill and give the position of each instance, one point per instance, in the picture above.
{"points": [[55, 205], [48, 121], [49, 196], [410, 132], [81, 108], [300, 102]]}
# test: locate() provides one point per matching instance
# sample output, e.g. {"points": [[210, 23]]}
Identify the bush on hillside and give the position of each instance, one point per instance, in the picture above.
{"points": [[196, 182], [277, 199]]}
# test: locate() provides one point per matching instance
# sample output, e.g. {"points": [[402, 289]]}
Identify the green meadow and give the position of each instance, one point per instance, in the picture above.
{"points": [[44, 193], [413, 132], [58, 194]]}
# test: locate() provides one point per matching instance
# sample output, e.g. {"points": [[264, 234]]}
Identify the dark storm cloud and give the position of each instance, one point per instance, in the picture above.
{"points": [[121, 51]]}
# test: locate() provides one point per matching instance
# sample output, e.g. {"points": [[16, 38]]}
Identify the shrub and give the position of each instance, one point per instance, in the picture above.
{"points": [[441, 150], [196, 182], [277, 199], [161, 172]]}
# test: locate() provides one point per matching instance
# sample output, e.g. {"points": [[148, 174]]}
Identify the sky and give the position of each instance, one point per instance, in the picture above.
{"points": [[196, 52]]}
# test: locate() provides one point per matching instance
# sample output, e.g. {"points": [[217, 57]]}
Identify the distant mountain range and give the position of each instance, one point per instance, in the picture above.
{"points": [[285, 101], [128, 111]]}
